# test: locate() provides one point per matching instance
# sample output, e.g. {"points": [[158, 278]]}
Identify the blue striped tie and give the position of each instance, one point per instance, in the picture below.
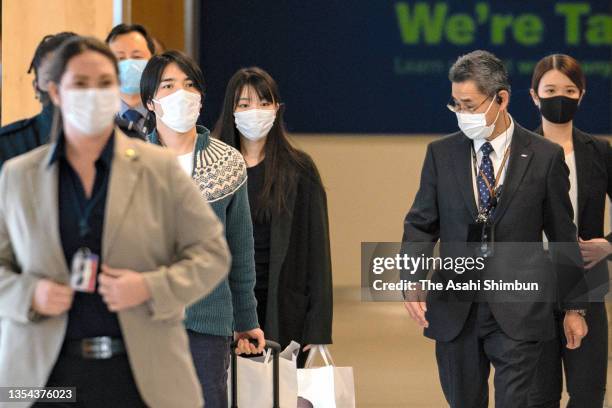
{"points": [[486, 168], [132, 115]]}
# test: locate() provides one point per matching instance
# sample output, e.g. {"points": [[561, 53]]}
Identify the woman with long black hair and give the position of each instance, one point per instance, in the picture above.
{"points": [[289, 211]]}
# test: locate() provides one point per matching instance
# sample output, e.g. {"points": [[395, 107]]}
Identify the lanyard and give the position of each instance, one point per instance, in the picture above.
{"points": [[492, 189], [89, 206], [484, 213]]}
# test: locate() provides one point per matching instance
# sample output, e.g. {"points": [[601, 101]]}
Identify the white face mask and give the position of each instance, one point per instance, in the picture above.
{"points": [[255, 124], [90, 110], [474, 125], [180, 110]]}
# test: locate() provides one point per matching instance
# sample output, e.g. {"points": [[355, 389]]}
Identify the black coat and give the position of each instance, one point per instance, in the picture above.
{"points": [[300, 301], [594, 177], [24, 135], [535, 198]]}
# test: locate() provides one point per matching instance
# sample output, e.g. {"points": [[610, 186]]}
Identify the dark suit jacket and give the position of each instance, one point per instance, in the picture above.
{"points": [[594, 176], [535, 198], [300, 300], [134, 132], [24, 135]]}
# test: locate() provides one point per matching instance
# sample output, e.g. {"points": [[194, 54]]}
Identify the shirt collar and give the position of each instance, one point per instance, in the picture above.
{"points": [[106, 157], [500, 143], [203, 136], [139, 108]]}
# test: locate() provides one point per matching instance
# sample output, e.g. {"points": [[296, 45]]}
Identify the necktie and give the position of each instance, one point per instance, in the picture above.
{"points": [[132, 116], [486, 169]]}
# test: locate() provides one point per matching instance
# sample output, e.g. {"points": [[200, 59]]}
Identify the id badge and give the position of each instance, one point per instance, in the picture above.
{"points": [[84, 270], [481, 237]]}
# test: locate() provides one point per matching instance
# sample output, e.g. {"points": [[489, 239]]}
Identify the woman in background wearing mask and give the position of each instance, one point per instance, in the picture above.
{"points": [[103, 242], [289, 211], [172, 88], [557, 89]]}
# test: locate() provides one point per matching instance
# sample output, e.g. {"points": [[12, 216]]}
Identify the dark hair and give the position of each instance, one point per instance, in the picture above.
{"points": [[152, 74], [122, 28], [47, 45], [73, 47], [69, 49], [282, 160], [560, 62], [482, 67]]}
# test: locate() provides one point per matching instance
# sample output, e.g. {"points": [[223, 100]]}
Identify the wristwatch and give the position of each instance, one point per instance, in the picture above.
{"points": [[581, 312]]}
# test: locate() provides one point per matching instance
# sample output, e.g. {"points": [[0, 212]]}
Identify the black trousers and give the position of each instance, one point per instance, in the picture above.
{"points": [[586, 367], [464, 364], [99, 383]]}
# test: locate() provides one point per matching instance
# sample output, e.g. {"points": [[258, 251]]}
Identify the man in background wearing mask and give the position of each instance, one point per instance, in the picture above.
{"points": [[493, 179], [24, 135], [133, 47]]}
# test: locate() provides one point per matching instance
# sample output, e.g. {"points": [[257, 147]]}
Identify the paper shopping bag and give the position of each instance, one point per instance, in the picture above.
{"points": [[326, 387], [255, 385]]}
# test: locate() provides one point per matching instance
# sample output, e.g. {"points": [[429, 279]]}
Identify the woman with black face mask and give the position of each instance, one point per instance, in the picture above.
{"points": [[557, 89]]}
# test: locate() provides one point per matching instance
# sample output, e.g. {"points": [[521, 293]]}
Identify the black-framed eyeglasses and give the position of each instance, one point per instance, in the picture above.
{"points": [[455, 107]]}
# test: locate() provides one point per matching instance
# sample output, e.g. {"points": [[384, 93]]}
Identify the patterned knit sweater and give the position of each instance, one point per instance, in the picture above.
{"points": [[220, 173]]}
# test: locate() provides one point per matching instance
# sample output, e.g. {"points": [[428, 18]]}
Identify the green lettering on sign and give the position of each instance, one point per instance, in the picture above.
{"points": [[599, 30], [528, 29], [426, 23], [420, 21], [572, 13], [499, 25], [460, 29]]}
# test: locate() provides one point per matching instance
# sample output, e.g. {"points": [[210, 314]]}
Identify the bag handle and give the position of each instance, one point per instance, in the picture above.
{"points": [[272, 348], [267, 355], [323, 351]]}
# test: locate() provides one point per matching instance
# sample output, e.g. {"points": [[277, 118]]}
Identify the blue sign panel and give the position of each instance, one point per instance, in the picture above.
{"points": [[364, 66]]}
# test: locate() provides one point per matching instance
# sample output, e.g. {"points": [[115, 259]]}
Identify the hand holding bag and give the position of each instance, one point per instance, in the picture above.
{"points": [[265, 381]]}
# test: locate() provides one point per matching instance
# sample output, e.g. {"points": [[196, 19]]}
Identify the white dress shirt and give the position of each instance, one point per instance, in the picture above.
{"points": [[570, 160], [499, 144]]}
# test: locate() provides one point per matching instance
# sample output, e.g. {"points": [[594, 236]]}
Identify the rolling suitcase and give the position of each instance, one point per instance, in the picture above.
{"points": [[275, 349]]}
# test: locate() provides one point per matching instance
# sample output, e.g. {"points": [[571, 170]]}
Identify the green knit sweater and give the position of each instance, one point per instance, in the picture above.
{"points": [[220, 173]]}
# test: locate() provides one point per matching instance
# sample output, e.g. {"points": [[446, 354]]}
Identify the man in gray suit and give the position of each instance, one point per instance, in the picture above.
{"points": [[496, 179]]}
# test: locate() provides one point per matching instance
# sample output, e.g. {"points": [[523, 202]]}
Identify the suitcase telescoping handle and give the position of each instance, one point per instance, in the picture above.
{"points": [[275, 348]]}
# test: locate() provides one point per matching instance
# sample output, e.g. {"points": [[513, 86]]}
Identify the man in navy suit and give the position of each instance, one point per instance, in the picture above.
{"points": [[495, 174]]}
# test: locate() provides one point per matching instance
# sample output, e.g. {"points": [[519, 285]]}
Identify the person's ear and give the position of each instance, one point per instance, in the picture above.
{"points": [[534, 97], [53, 90], [581, 96], [503, 99], [151, 105]]}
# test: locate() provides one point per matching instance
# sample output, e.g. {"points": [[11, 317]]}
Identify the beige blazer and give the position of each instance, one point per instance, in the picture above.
{"points": [[156, 223]]}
